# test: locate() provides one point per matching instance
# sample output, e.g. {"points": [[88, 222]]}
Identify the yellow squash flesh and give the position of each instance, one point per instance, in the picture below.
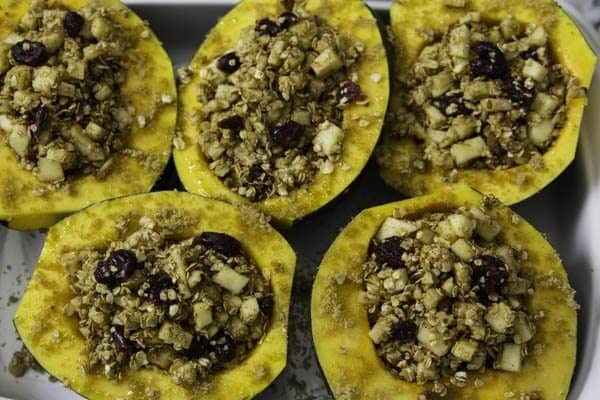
{"points": [[150, 77], [410, 18], [54, 339], [340, 327], [351, 18]]}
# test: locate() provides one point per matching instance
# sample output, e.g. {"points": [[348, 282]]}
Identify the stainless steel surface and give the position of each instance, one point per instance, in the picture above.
{"points": [[565, 211]]}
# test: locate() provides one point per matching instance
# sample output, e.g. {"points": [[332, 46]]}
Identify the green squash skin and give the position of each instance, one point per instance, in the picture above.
{"points": [[22, 211], [285, 211], [270, 251]]}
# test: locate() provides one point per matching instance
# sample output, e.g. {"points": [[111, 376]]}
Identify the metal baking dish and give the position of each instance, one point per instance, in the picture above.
{"points": [[566, 211]]}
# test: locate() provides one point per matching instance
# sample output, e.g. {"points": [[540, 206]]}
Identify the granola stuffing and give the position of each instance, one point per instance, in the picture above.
{"points": [[272, 107], [61, 109], [485, 96], [445, 297], [151, 299]]}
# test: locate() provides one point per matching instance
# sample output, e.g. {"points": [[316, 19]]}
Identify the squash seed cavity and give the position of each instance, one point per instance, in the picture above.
{"points": [[189, 307], [484, 95], [272, 106], [61, 109], [446, 297]]}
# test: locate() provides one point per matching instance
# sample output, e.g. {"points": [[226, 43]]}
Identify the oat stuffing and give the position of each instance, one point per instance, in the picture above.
{"points": [[190, 307], [61, 109], [446, 297], [484, 95], [271, 115]]}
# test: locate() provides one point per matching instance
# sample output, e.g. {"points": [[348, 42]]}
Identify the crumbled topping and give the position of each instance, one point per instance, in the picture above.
{"points": [[154, 300], [484, 95], [61, 109], [445, 297], [272, 107]]}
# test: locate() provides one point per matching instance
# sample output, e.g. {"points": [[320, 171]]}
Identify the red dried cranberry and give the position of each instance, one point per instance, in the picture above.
{"points": [[404, 331], [388, 252], [517, 92], [200, 347], [229, 63], [37, 120], [121, 342], [266, 305], [221, 243], [490, 274], [489, 61], [288, 19], [158, 283], [350, 92], [224, 347], [117, 268], [72, 24], [29, 53], [234, 123], [452, 105], [267, 27], [287, 135]]}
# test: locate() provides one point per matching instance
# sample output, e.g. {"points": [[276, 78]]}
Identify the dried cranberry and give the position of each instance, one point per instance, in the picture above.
{"points": [[267, 27], [224, 347], [121, 342], [118, 267], [404, 331], [260, 181], [288, 19], [221, 242], [517, 92], [72, 24], [489, 61], [158, 283], [266, 305], [388, 252], [452, 105], [287, 135], [37, 120], [489, 274], [199, 347], [229, 63], [350, 92], [234, 123], [29, 53]]}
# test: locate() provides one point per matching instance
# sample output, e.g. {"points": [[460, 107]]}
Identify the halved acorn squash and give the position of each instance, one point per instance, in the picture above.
{"points": [[341, 329], [410, 18], [54, 339], [351, 18], [150, 77]]}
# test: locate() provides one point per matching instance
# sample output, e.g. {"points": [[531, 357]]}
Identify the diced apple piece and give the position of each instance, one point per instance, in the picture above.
{"points": [[469, 150], [202, 315], [464, 349], [228, 279], [328, 140], [50, 170], [326, 63], [500, 317], [540, 133], [395, 227], [510, 359], [432, 340], [249, 309], [462, 249]]}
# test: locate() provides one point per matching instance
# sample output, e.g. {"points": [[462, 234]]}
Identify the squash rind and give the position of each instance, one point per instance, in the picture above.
{"points": [[340, 327], [351, 18], [25, 211], [409, 18], [44, 329]]}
